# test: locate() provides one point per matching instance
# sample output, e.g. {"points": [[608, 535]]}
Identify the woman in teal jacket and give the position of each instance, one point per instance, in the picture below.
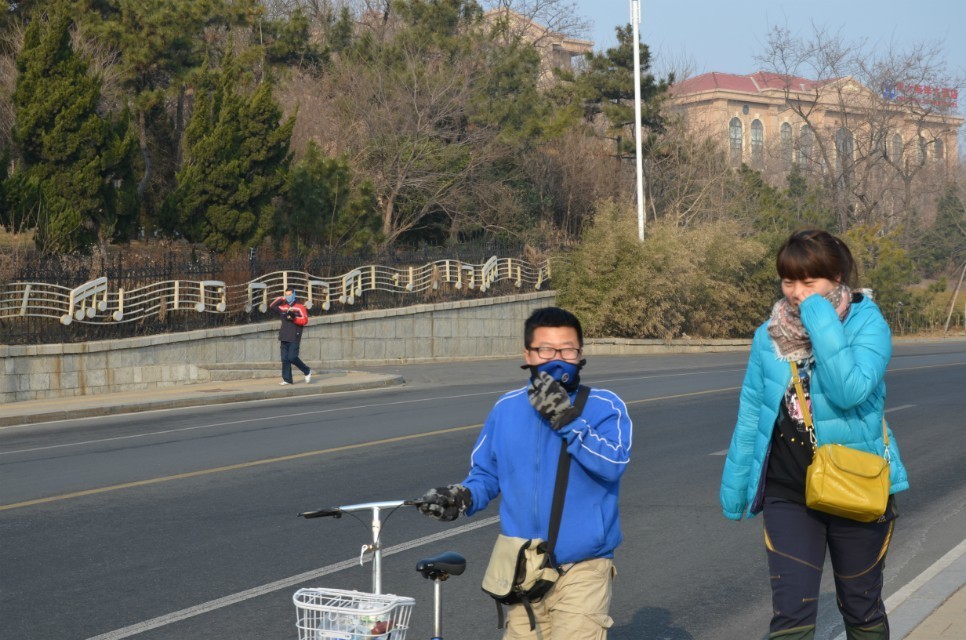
{"points": [[841, 346]]}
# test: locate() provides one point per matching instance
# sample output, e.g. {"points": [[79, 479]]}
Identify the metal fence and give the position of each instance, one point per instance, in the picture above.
{"points": [[78, 299], [83, 298]]}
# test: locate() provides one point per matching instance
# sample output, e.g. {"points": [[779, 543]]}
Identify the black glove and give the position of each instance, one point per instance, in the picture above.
{"points": [[551, 400], [290, 315], [446, 503]]}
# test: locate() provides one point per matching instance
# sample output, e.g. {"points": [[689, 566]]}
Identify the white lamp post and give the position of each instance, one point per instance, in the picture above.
{"points": [[635, 23]]}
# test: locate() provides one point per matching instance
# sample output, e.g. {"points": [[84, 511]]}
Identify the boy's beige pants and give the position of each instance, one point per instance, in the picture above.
{"points": [[576, 608]]}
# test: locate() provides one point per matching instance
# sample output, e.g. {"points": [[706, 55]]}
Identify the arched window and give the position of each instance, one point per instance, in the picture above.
{"points": [[897, 148], [786, 137], [938, 150], [734, 137], [844, 149], [879, 143], [806, 140], [879, 152], [757, 142]]}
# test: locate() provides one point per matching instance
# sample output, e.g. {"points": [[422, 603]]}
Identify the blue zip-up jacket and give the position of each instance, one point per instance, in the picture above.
{"points": [[516, 456], [847, 390]]}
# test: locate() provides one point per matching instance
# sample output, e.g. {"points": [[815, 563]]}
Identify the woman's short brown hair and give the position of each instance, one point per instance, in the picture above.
{"points": [[814, 253]]}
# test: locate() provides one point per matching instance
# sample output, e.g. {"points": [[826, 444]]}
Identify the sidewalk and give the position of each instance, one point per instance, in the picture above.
{"points": [[946, 622], [188, 395], [931, 607]]}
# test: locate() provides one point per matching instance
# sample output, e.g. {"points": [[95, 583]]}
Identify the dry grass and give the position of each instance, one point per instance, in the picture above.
{"points": [[12, 247], [15, 241]]}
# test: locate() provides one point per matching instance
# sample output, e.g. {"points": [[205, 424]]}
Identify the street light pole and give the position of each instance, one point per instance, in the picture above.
{"points": [[636, 22]]}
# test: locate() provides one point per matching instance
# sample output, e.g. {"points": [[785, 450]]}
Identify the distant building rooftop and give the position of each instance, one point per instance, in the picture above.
{"points": [[755, 83]]}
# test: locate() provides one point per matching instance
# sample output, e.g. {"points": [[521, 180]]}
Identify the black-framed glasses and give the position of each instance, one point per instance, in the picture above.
{"points": [[567, 353]]}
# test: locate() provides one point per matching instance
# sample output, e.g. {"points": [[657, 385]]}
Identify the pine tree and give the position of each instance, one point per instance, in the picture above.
{"points": [[236, 160], [323, 208], [941, 247], [162, 45], [606, 87], [4, 207], [71, 158]]}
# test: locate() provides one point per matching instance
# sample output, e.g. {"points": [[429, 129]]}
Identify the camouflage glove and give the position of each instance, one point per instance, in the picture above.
{"points": [[446, 503], [551, 400]]}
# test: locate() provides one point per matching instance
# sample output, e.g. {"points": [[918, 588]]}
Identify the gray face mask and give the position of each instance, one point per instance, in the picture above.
{"points": [[290, 298]]}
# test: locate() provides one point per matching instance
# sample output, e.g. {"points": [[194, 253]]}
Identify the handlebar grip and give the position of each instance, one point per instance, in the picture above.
{"points": [[321, 513]]}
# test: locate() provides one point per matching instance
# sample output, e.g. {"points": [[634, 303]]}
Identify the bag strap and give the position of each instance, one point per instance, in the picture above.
{"points": [[560, 488], [556, 510], [803, 405], [807, 415]]}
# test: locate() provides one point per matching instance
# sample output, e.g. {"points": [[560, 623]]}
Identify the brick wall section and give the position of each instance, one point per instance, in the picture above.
{"points": [[472, 329]]}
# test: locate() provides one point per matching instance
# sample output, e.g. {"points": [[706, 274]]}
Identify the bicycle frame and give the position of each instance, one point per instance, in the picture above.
{"points": [[376, 525], [437, 568]]}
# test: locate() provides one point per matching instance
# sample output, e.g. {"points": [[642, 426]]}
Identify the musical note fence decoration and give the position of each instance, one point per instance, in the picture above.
{"points": [[94, 302]]}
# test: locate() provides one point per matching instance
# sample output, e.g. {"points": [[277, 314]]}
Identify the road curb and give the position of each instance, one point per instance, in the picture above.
{"points": [[925, 598], [203, 396]]}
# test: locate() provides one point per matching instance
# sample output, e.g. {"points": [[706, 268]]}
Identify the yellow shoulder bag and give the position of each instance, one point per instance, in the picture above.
{"points": [[843, 481]]}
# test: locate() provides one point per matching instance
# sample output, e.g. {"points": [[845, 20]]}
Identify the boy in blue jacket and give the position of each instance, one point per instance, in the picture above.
{"points": [[516, 457]]}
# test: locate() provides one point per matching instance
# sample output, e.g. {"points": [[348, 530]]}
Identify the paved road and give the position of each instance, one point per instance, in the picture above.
{"points": [[180, 524]]}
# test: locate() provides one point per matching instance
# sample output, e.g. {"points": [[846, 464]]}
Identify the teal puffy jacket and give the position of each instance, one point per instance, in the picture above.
{"points": [[847, 389]]}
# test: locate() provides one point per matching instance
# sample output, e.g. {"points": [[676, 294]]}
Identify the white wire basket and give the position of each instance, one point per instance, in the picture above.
{"points": [[336, 614]]}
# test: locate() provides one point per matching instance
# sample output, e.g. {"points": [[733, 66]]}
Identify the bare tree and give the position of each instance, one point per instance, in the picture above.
{"points": [[880, 153], [12, 43], [8, 79], [688, 174], [557, 17], [679, 66], [571, 175], [318, 11], [401, 123]]}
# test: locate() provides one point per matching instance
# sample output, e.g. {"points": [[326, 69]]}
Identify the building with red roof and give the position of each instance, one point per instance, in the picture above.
{"points": [[769, 120]]}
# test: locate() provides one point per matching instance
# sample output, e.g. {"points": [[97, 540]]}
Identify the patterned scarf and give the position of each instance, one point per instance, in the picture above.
{"points": [[787, 331]]}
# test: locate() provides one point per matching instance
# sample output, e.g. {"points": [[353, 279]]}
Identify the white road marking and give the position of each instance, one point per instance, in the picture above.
{"points": [[227, 424], [672, 375], [292, 415], [900, 408]]}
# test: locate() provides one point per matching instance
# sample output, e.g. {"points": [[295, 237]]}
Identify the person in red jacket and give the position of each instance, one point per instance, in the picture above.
{"points": [[294, 318]]}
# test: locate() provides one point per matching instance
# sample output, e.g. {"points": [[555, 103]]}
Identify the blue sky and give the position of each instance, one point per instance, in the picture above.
{"points": [[712, 35]]}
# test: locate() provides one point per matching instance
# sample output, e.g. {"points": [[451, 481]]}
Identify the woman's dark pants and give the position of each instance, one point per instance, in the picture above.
{"points": [[796, 538]]}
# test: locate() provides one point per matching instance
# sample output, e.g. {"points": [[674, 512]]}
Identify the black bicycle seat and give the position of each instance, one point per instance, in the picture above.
{"points": [[442, 566]]}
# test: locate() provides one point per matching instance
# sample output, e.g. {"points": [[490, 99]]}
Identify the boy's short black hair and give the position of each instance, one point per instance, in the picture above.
{"points": [[550, 317]]}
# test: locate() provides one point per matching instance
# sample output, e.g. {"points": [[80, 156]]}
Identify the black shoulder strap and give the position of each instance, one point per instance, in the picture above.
{"points": [[560, 488]]}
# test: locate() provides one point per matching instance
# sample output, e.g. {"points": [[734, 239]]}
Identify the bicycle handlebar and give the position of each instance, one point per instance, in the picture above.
{"points": [[321, 513], [377, 521], [336, 512]]}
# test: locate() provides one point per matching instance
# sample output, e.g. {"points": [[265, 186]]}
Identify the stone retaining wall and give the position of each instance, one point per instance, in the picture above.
{"points": [[447, 331]]}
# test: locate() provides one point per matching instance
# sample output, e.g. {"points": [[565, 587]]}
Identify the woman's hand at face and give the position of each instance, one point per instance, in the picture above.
{"points": [[797, 291]]}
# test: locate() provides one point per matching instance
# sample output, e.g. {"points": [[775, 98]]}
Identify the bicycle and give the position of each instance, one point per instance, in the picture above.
{"points": [[337, 614]]}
